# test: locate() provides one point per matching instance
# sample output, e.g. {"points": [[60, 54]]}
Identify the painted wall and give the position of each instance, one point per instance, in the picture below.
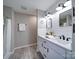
{"points": [[29, 35], [7, 12]]}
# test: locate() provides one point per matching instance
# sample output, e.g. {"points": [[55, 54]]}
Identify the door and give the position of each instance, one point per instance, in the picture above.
{"points": [[6, 36]]}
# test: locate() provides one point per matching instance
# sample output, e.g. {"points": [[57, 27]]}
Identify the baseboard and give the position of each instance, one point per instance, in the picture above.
{"points": [[25, 46], [10, 53]]}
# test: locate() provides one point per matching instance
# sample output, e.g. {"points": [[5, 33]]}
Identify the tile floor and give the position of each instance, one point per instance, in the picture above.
{"points": [[26, 53]]}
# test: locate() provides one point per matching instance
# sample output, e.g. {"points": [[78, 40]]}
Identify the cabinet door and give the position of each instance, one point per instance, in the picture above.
{"points": [[69, 55], [53, 55], [52, 52], [40, 44], [45, 47]]}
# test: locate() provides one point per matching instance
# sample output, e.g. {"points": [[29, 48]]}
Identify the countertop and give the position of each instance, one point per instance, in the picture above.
{"points": [[65, 46]]}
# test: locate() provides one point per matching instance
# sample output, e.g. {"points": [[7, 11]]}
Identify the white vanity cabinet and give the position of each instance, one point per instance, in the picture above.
{"points": [[55, 52], [53, 55], [69, 55], [42, 47], [40, 44], [49, 50]]}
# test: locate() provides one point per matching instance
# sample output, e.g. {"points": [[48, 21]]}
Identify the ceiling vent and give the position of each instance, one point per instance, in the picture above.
{"points": [[23, 7]]}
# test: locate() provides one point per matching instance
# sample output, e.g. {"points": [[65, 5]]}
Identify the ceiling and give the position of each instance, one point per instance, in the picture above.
{"points": [[29, 6]]}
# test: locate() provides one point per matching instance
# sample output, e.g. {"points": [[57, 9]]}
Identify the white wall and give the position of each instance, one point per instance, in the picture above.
{"points": [[29, 35], [41, 23], [67, 31]]}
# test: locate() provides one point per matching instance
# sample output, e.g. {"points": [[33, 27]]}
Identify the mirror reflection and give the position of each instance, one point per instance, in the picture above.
{"points": [[65, 18]]}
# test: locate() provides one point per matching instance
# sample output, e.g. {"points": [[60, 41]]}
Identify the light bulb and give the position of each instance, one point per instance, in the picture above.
{"points": [[59, 8], [68, 3]]}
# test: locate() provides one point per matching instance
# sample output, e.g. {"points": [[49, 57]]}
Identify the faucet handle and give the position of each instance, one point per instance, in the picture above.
{"points": [[59, 37], [68, 39], [63, 37]]}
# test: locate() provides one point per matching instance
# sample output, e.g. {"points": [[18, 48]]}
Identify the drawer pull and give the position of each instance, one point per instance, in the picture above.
{"points": [[47, 49], [44, 41], [42, 44]]}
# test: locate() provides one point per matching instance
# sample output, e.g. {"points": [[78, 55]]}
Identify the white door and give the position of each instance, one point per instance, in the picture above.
{"points": [[7, 37]]}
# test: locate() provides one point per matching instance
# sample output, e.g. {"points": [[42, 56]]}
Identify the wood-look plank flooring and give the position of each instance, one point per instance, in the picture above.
{"points": [[26, 53]]}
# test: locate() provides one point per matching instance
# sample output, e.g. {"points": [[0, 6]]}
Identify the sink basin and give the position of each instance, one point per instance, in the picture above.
{"points": [[58, 39], [64, 41]]}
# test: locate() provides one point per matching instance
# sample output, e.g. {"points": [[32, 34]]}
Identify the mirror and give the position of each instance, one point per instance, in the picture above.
{"points": [[49, 23], [65, 18]]}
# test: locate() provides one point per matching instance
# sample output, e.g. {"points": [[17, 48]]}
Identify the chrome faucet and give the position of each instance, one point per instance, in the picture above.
{"points": [[62, 37], [68, 39]]}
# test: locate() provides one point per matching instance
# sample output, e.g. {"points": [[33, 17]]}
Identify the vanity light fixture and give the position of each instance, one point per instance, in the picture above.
{"points": [[23, 7], [48, 15], [68, 3], [60, 6]]}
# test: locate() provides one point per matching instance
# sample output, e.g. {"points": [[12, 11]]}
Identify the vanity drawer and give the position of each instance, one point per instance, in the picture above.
{"points": [[57, 49]]}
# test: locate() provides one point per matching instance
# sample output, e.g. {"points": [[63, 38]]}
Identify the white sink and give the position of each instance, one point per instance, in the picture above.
{"points": [[58, 39], [64, 41]]}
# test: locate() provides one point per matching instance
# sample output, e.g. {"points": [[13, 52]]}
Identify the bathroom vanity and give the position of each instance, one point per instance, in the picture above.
{"points": [[59, 46], [52, 49]]}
